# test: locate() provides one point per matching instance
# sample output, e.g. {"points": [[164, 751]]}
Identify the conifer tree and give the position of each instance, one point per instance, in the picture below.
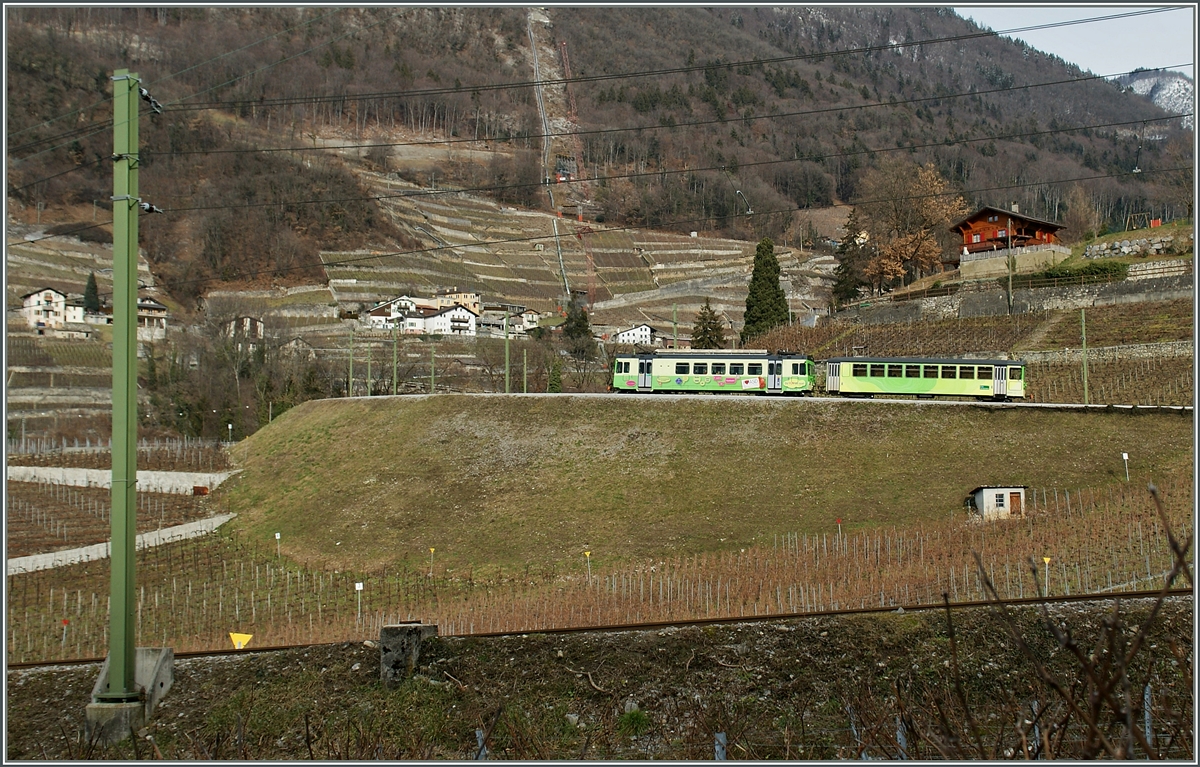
{"points": [[708, 332], [555, 384], [766, 304], [91, 295]]}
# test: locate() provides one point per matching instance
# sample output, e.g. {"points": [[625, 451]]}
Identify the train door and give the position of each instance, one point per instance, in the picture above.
{"points": [[1000, 381], [645, 381], [774, 375], [833, 377]]}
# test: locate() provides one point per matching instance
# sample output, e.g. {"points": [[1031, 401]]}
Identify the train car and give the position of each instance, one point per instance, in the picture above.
{"points": [[868, 376], [717, 371]]}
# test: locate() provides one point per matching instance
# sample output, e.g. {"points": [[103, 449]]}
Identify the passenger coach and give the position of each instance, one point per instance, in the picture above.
{"points": [[868, 376], [718, 371]]}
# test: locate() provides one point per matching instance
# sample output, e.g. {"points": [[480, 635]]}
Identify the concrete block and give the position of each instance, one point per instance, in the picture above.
{"points": [[400, 649], [109, 723], [153, 674]]}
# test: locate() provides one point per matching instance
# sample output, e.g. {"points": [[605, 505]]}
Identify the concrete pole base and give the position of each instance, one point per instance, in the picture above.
{"points": [[109, 723]]}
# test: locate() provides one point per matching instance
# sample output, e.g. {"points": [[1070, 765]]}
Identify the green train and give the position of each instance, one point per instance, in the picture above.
{"points": [[718, 371], [755, 371]]}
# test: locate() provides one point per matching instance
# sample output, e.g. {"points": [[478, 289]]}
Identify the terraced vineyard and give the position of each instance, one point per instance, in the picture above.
{"points": [[1162, 381]]}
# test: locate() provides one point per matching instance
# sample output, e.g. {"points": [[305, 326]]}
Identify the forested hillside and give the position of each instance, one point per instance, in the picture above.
{"points": [[679, 109]]}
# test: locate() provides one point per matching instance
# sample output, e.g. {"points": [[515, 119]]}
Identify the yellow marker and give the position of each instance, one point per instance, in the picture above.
{"points": [[240, 640], [1046, 560]]}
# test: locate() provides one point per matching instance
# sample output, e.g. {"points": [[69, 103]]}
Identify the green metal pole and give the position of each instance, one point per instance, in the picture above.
{"points": [[674, 326], [525, 370], [122, 634], [507, 388], [393, 360], [1083, 332], [350, 383], [368, 370], [432, 370]]}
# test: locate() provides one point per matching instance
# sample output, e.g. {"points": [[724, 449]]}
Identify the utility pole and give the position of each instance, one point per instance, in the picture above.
{"points": [[507, 388], [674, 326], [525, 370], [350, 383], [121, 687], [432, 367], [393, 359], [368, 369], [1011, 259], [1083, 332]]}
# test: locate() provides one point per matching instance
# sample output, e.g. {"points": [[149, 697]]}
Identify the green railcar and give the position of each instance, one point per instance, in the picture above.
{"points": [[715, 371], [868, 376]]}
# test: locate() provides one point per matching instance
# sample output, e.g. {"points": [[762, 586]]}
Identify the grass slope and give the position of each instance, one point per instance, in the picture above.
{"points": [[510, 481]]}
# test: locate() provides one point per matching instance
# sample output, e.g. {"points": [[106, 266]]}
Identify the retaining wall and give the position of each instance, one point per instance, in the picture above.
{"points": [[51, 559], [180, 482], [1113, 353]]}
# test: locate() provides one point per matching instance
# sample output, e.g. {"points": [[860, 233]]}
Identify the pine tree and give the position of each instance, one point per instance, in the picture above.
{"points": [[91, 295], [708, 332], [766, 304], [577, 332], [555, 385]]}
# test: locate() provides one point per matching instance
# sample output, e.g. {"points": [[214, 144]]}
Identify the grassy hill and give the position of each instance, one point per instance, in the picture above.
{"points": [[517, 481]]}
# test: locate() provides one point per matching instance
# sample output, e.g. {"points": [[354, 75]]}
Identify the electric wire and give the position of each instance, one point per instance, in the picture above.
{"points": [[672, 70]]}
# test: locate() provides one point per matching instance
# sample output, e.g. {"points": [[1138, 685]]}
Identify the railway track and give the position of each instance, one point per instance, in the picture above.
{"points": [[655, 625]]}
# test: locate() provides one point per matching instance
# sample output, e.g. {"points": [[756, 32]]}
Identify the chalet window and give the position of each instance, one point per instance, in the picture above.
{"points": [[1002, 233], [949, 371], [877, 371], [966, 371], [700, 368], [931, 371], [1014, 374], [860, 369], [912, 371], [736, 369], [681, 368], [976, 238], [718, 368], [754, 369], [895, 371]]}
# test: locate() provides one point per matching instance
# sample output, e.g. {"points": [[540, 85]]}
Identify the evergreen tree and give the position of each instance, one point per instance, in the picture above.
{"points": [[91, 295], [766, 304], [555, 385], [577, 332], [708, 332]]}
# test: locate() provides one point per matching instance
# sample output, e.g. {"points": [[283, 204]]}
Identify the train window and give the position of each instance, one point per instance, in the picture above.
{"points": [[809, 367], [1014, 374], [795, 368], [966, 371], [931, 371], [895, 371], [877, 371], [912, 371], [860, 369], [736, 368], [718, 368], [754, 369], [681, 368], [700, 368], [949, 371], [985, 371]]}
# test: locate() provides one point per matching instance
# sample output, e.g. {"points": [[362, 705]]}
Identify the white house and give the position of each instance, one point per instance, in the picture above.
{"points": [[247, 332], [50, 308], [642, 334], [454, 321], [993, 502], [151, 320], [530, 319]]}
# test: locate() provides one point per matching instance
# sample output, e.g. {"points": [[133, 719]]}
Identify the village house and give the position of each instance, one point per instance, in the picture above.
{"points": [[151, 320], [990, 236], [448, 298], [456, 320], [48, 308], [247, 332], [641, 334]]}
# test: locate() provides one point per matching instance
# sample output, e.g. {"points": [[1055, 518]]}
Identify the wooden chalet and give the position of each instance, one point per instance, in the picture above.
{"points": [[996, 229]]}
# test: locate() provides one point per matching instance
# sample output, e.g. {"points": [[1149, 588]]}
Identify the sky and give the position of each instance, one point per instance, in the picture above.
{"points": [[1152, 41]]}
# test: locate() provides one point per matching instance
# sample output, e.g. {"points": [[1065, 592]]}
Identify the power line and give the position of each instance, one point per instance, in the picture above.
{"points": [[660, 72], [176, 74], [664, 172], [536, 238], [659, 126]]}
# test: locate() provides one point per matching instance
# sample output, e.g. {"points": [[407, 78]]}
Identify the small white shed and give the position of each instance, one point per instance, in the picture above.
{"points": [[997, 502]]}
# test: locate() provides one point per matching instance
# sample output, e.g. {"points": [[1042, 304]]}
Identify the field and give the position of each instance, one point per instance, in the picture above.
{"points": [[191, 594]]}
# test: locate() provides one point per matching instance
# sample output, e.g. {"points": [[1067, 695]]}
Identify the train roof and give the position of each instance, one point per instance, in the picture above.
{"points": [[928, 360], [716, 353]]}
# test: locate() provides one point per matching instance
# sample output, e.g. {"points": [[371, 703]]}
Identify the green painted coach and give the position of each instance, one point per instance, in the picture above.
{"points": [[716, 371], [868, 376]]}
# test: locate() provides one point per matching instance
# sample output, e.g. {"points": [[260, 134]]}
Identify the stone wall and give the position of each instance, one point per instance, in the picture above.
{"points": [[1113, 353], [1142, 246], [995, 264], [179, 482], [992, 302]]}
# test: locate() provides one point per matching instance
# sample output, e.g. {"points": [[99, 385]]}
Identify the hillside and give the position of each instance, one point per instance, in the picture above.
{"points": [[492, 481], [794, 134]]}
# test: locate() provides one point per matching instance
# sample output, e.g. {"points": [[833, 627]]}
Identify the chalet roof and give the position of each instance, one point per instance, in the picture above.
{"points": [[449, 309], [43, 290], [1008, 214], [635, 327]]}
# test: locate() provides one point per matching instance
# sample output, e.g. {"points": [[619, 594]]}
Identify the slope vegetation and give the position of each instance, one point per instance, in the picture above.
{"points": [[534, 480]]}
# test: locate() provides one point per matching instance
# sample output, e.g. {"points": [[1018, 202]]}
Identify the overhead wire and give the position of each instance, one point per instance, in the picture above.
{"points": [[671, 70]]}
